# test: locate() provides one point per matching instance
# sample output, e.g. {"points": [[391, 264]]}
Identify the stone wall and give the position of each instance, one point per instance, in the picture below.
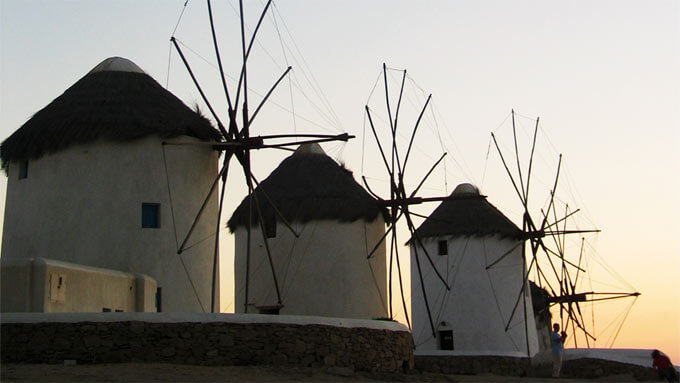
{"points": [[213, 343]]}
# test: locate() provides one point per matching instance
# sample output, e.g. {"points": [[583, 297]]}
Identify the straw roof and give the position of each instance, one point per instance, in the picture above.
{"points": [[467, 213], [309, 186], [115, 101]]}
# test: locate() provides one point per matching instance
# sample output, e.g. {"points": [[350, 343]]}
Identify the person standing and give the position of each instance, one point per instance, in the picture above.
{"points": [[663, 366], [557, 345]]}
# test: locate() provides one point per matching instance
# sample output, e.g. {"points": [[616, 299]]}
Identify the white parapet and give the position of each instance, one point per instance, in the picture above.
{"points": [[199, 318], [47, 285]]}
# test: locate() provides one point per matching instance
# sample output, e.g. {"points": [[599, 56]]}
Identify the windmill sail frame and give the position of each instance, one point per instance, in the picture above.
{"points": [[238, 143]]}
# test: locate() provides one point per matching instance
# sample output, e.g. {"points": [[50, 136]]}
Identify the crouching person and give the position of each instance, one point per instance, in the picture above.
{"points": [[663, 366]]}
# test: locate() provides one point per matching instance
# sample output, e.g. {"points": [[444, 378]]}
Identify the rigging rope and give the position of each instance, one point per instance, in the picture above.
{"points": [[464, 167], [254, 271], [174, 230], [382, 299], [290, 84], [290, 256], [167, 77], [297, 84], [592, 304], [313, 83], [363, 133], [486, 163], [363, 145], [443, 147], [261, 95], [172, 210], [452, 281], [186, 271], [601, 261], [184, 7], [167, 73], [214, 233], [493, 292], [302, 257]]}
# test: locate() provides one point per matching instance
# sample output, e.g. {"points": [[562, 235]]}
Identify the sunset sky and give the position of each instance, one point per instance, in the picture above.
{"points": [[604, 77]]}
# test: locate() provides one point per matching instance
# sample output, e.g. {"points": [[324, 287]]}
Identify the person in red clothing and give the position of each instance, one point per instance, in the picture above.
{"points": [[663, 366]]}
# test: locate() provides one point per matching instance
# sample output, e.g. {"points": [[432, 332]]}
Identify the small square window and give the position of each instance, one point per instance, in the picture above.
{"points": [[23, 169], [151, 216], [106, 310], [443, 247], [269, 310], [159, 299]]}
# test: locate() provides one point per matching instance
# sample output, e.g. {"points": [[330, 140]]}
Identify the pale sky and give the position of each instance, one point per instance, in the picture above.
{"points": [[604, 76]]}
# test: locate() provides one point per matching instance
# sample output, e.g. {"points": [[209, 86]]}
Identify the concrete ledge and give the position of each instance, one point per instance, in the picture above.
{"points": [[590, 368], [640, 357], [579, 368], [511, 354], [205, 339]]}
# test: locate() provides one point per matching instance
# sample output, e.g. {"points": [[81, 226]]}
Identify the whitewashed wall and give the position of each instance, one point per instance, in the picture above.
{"points": [[45, 285], [324, 272], [480, 301], [83, 205]]}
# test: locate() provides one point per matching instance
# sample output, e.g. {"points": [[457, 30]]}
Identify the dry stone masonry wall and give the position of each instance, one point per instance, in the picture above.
{"points": [[214, 343]]}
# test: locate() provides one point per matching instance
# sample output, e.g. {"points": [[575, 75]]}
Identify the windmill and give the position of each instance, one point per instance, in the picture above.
{"points": [[562, 275], [237, 141], [399, 201]]}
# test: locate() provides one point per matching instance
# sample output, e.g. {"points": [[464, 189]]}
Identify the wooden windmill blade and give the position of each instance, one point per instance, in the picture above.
{"points": [[527, 224], [395, 248], [553, 224], [398, 201], [236, 141]]}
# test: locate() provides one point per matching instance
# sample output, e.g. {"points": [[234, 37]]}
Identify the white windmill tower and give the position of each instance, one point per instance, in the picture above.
{"points": [[319, 225], [90, 183], [466, 234]]}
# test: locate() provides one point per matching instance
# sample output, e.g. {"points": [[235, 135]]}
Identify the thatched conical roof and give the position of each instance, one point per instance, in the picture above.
{"points": [[117, 101], [309, 186], [467, 213]]}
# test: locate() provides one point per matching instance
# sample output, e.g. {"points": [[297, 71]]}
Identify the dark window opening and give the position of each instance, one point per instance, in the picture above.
{"points": [[106, 310], [23, 169], [119, 311], [151, 215], [443, 247], [270, 225], [159, 300], [269, 310], [446, 340]]}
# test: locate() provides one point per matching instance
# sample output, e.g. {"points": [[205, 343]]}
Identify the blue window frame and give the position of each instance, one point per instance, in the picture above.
{"points": [[151, 215]]}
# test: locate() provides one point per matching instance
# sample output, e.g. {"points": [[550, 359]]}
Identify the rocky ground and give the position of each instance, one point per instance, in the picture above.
{"points": [[143, 372]]}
